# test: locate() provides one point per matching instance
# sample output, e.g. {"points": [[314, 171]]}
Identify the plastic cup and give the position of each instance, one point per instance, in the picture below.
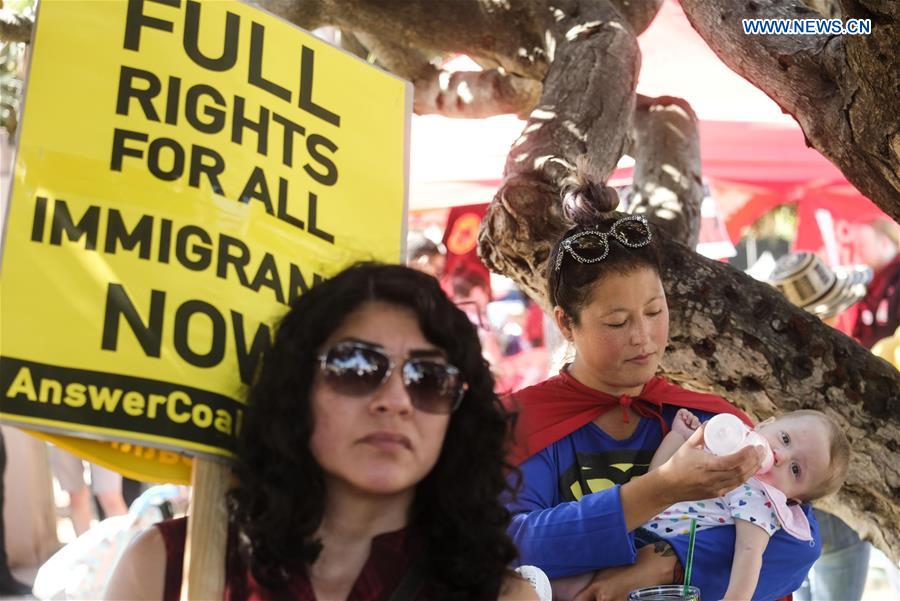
{"points": [[668, 592]]}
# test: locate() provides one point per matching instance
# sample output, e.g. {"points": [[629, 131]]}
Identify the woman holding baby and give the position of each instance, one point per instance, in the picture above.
{"points": [[586, 437]]}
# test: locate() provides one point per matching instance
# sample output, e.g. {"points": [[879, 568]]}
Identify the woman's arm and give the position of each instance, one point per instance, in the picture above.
{"points": [[565, 589], [656, 564], [691, 474], [749, 545], [566, 538], [140, 573], [569, 538]]}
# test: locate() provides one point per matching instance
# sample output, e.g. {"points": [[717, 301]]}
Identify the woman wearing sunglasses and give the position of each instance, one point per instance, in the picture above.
{"points": [[585, 437], [370, 463]]}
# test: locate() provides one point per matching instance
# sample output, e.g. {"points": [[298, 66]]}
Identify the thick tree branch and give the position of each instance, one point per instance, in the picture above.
{"points": [[14, 27], [667, 185], [474, 94], [405, 61], [309, 14], [461, 94], [509, 34], [873, 110], [841, 89], [587, 100], [585, 109], [518, 232]]}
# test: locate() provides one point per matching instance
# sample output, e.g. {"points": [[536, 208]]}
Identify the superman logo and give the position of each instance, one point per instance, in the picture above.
{"points": [[592, 472]]}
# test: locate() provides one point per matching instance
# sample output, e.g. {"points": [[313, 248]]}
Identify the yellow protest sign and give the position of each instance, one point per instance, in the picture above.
{"points": [[184, 170]]}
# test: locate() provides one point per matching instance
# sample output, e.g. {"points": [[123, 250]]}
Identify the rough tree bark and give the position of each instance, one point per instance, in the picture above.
{"points": [[826, 8], [842, 90], [465, 94], [474, 94], [666, 182], [579, 59], [585, 109]]}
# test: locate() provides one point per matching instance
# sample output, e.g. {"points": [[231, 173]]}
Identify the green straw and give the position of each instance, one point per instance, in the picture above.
{"points": [[690, 558]]}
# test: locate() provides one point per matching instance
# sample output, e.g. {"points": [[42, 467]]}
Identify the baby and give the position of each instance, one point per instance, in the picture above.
{"points": [[811, 457]]}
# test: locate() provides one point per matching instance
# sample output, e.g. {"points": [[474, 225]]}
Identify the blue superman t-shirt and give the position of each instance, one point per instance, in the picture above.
{"points": [[567, 517]]}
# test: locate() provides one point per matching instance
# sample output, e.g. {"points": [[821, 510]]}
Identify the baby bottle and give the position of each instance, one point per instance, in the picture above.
{"points": [[726, 434]]}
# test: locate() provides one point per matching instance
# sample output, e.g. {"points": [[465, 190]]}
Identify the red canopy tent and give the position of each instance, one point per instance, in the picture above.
{"points": [[754, 157]]}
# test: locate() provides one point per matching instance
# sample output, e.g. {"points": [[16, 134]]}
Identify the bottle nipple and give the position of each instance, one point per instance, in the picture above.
{"points": [[768, 461]]}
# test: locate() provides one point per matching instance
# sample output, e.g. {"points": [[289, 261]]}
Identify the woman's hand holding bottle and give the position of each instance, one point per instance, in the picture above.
{"points": [[693, 473]]}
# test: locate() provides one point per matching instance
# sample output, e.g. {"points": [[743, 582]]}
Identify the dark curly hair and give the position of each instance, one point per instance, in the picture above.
{"points": [[279, 502], [591, 206]]}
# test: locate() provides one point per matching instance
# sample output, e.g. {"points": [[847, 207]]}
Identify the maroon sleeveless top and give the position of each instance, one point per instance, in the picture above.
{"points": [[389, 561]]}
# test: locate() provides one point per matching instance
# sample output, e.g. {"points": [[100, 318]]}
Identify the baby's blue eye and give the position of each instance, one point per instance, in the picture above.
{"points": [[785, 438], [795, 469]]}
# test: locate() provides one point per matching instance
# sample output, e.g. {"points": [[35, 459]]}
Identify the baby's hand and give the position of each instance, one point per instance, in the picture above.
{"points": [[685, 423]]}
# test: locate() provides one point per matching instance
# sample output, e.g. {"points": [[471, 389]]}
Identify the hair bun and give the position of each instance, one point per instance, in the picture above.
{"points": [[584, 201]]}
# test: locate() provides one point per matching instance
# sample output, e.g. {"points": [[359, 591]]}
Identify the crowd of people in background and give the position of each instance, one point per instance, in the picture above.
{"points": [[877, 314], [105, 486]]}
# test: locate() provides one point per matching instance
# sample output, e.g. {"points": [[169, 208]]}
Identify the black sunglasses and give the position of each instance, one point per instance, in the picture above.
{"points": [[592, 246], [355, 368]]}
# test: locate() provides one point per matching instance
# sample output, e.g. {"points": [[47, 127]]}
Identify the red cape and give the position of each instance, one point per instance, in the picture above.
{"points": [[560, 405]]}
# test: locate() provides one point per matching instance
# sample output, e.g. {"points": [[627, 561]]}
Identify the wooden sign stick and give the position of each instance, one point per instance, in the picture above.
{"points": [[204, 549]]}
